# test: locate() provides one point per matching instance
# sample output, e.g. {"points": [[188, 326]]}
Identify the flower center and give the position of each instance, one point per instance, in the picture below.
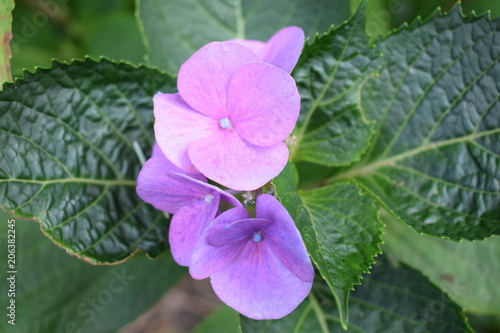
{"points": [[209, 197], [224, 123], [257, 237]]}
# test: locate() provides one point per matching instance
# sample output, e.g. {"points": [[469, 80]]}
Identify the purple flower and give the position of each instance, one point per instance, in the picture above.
{"points": [[193, 202], [281, 50], [258, 266], [230, 117]]}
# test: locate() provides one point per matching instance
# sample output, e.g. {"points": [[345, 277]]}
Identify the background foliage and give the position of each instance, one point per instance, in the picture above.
{"points": [[115, 29]]}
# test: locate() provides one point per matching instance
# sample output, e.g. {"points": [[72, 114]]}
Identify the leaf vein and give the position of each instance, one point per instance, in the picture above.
{"points": [[78, 135], [43, 150], [215, 20], [458, 99], [113, 228], [80, 212], [317, 100], [430, 203], [101, 111], [442, 181], [418, 102], [134, 245]]}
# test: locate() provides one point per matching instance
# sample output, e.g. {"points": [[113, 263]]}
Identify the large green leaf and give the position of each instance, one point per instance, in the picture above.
{"points": [[175, 29], [436, 153], [67, 136], [340, 227], [467, 271], [55, 292], [392, 299], [332, 129], [222, 320]]}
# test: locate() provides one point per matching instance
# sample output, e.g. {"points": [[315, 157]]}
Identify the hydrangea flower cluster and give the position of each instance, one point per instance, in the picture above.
{"points": [[236, 105]]}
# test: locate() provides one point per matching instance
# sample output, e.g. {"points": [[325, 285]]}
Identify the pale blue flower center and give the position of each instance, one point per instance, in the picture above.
{"points": [[257, 237], [209, 197], [224, 123]]}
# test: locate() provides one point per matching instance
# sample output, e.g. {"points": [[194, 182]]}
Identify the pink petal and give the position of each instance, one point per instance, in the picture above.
{"points": [[257, 47], [204, 77], [205, 188], [228, 160], [284, 238], [263, 104], [158, 189], [167, 166], [236, 232], [176, 126], [257, 285], [284, 48], [207, 259], [186, 227]]}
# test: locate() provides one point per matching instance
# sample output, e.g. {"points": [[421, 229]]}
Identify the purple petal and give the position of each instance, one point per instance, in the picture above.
{"points": [[283, 237], [257, 47], [284, 48], [176, 126], [168, 167], [157, 151], [207, 259], [236, 232], [204, 77], [228, 160], [158, 189], [257, 285], [263, 104], [205, 188], [186, 227]]}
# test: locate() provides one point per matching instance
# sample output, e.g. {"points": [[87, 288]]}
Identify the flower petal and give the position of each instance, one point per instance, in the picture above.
{"points": [[158, 189], [257, 285], [284, 48], [207, 259], [205, 188], [263, 104], [228, 160], [168, 167], [176, 126], [204, 77], [283, 237], [256, 46], [186, 227], [236, 232]]}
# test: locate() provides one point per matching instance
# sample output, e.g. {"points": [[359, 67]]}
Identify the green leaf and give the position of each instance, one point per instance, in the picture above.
{"points": [[436, 152], [67, 137], [175, 29], [104, 37], [223, 320], [483, 6], [55, 292], [340, 227], [392, 299], [467, 271], [6, 7], [332, 129]]}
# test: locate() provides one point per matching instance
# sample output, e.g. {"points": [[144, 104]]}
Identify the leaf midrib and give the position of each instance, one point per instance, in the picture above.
{"points": [[370, 168]]}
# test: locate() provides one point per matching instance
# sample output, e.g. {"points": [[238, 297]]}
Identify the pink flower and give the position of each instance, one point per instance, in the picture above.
{"points": [[193, 202], [258, 266], [281, 50], [230, 117]]}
